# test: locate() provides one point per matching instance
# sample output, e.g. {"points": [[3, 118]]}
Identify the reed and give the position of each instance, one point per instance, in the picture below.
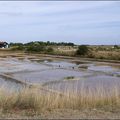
{"points": [[37, 100]]}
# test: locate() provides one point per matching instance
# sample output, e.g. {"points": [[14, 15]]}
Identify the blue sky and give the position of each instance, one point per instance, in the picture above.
{"points": [[81, 22]]}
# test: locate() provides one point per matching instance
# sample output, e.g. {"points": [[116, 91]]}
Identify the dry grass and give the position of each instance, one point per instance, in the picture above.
{"points": [[109, 55], [66, 51], [36, 100]]}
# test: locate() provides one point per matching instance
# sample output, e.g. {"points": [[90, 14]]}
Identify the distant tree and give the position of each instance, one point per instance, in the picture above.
{"points": [[38, 46], [116, 46], [48, 43], [49, 50], [82, 50], [35, 48], [15, 44]]}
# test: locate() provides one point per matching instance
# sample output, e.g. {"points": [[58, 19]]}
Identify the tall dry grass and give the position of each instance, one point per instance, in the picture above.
{"points": [[37, 100], [109, 55]]}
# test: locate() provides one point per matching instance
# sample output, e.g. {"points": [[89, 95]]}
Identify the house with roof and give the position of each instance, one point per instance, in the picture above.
{"points": [[3, 44]]}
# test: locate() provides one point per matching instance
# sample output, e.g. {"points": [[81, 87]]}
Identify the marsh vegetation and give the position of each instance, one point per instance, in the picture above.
{"points": [[55, 85], [38, 102], [110, 52]]}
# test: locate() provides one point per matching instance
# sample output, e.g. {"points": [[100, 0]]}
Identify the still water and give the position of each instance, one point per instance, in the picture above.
{"points": [[58, 74]]}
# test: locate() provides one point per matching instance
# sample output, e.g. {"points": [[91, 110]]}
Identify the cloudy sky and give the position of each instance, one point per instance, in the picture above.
{"points": [[81, 22]]}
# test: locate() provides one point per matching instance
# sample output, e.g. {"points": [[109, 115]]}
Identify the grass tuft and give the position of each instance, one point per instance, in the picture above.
{"points": [[36, 100]]}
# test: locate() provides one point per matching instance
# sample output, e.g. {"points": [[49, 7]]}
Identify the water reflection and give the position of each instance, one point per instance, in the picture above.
{"points": [[51, 73]]}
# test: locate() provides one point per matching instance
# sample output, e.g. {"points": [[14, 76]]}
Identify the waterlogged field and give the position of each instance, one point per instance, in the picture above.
{"points": [[35, 85], [58, 74]]}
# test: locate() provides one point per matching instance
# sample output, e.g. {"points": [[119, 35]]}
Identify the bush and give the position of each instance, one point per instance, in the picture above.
{"points": [[82, 50], [18, 47], [116, 46], [50, 50], [35, 48]]}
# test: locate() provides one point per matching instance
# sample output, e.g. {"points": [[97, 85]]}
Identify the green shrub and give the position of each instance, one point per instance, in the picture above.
{"points": [[116, 47], [82, 50], [18, 47], [69, 77], [35, 48], [49, 50]]}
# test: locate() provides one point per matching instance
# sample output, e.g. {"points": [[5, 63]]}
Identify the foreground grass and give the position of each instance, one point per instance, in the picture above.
{"points": [[37, 101]]}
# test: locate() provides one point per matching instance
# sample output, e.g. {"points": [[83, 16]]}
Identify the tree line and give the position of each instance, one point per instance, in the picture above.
{"points": [[48, 43]]}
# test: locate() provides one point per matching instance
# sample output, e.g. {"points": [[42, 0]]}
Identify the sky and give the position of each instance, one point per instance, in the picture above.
{"points": [[80, 22]]}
